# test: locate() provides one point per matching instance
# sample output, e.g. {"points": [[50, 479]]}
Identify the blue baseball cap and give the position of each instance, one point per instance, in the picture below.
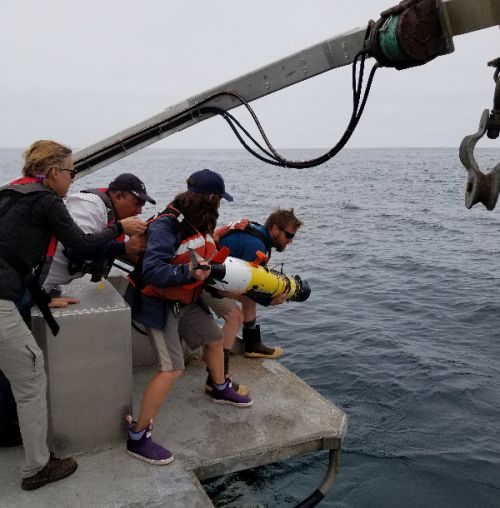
{"points": [[207, 181]]}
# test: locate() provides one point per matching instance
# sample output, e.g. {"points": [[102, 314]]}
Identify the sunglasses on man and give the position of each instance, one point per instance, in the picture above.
{"points": [[288, 235]]}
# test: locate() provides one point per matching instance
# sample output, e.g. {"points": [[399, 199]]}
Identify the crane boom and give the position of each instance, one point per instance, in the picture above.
{"points": [[457, 17], [465, 16], [305, 64]]}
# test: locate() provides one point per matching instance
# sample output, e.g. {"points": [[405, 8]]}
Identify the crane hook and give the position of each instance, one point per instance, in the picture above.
{"points": [[481, 187]]}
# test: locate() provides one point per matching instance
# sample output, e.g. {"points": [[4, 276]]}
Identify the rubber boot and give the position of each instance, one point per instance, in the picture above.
{"points": [[255, 348]]}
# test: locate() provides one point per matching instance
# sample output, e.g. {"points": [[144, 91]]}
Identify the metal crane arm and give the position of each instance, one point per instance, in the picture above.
{"points": [[455, 17]]}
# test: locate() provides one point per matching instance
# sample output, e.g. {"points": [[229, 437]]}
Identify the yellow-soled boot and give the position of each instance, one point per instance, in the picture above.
{"points": [[255, 348]]}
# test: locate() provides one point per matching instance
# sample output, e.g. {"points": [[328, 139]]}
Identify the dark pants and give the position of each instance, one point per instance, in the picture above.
{"points": [[8, 410]]}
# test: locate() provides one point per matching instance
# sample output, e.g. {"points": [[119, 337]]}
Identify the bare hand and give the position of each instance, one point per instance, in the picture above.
{"points": [[199, 274], [133, 226], [278, 300], [59, 303], [135, 246]]}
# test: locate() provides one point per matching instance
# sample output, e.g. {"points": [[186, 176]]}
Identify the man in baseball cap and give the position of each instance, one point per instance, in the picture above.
{"points": [[127, 182], [93, 210]]}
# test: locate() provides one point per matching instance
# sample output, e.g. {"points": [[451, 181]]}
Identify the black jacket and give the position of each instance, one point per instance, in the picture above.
{"points": [[27, 222]]}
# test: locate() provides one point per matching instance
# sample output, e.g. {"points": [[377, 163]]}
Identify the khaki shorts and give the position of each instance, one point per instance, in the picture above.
{"points": [[221, 306], [194, 326]]}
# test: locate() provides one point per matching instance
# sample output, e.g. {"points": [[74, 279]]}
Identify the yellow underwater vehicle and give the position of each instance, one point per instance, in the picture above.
{"points": [[253, 279]]}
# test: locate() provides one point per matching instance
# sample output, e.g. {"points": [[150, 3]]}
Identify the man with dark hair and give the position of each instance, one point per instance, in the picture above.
{"points": [[244, 240], [93, 210]]}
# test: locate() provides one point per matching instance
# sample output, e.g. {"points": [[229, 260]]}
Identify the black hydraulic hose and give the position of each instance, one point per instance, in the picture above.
{"points": [[275, 157], [327, 483], [231, 122], [281, 161], [355, 116], [312, 500], [271, 155], [134, 140]]}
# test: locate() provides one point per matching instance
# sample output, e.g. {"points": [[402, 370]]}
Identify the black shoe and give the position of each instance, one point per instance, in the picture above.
{"points": [[11, 436], [255, 348], [56, 469]]}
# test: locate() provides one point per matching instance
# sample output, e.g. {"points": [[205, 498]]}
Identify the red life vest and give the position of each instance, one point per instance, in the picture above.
{"points": [[204, 246], [29, 183], [26, 185]]}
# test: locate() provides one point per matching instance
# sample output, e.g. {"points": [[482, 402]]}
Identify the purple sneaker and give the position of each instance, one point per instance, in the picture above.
{"points": [[229, 396], [145, 448]]}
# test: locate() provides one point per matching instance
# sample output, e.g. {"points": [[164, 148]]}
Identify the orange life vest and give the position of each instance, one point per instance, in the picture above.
{"points": [[204, 246], [237, 225], [242, 225]]}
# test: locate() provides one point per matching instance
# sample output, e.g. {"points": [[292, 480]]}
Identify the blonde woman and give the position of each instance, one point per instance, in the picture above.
{"points": [[33, 218]]}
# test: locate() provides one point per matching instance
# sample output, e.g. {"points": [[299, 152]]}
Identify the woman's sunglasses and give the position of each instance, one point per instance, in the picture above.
{"points": [[72, 172]]}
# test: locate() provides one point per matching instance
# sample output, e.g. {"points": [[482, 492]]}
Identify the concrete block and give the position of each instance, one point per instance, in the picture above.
{"points": [[89, 369]]}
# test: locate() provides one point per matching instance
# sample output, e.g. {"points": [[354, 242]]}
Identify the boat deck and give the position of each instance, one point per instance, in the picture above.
{"points": [[288, 418]]}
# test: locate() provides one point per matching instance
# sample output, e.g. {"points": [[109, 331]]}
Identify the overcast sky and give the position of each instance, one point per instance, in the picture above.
{"points": [[78, 72]]}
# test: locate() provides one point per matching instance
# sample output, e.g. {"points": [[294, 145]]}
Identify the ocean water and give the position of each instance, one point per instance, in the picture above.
{"points": [[402, 327]]}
